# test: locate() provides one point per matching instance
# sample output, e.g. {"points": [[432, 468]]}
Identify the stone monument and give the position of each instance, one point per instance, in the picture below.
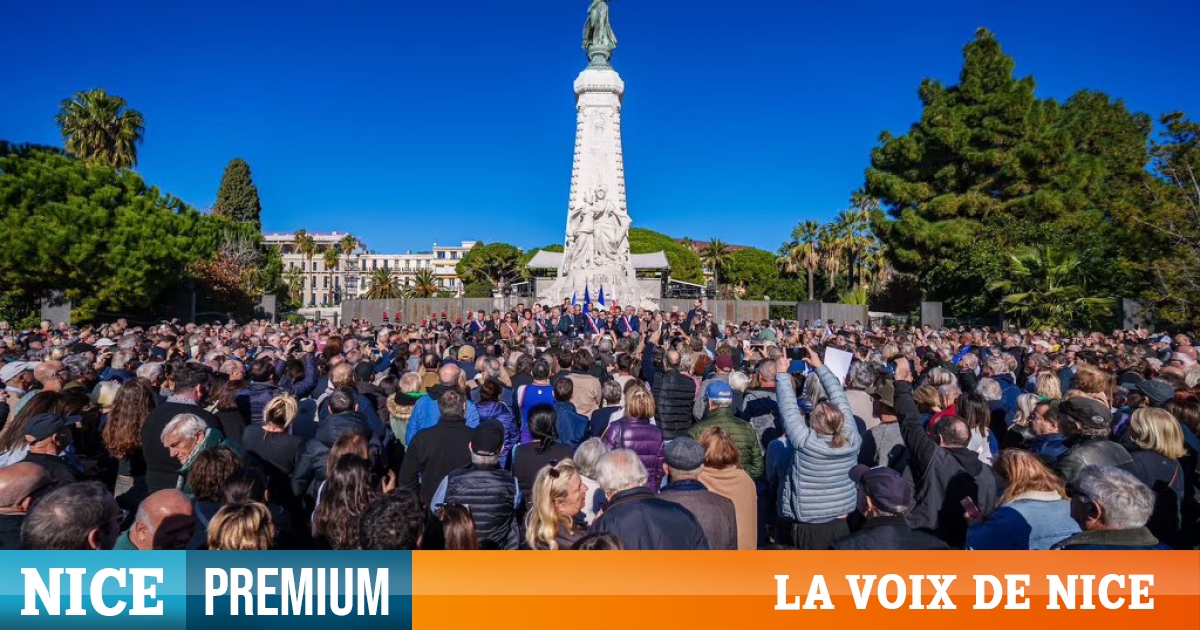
{"points": [[596, 252]]}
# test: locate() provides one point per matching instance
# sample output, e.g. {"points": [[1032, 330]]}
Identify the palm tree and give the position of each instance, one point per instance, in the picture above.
{"points": [[331, 257], [832, 241], [294, 279], [101, 128], [715, 255], [298, 238], [383, 285], [1045, 288], [424, 284], [803, 254], [348, 244]]}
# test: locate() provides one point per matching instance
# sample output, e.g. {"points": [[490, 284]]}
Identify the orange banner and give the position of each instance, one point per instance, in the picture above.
{"points": [[740, 590]]}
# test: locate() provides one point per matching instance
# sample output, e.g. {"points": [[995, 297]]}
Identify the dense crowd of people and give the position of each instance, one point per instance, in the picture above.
{"points": [[572, 428]]}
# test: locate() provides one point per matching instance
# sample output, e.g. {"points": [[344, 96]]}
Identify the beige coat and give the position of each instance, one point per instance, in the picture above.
{"points": [[734, 484], [586, 396]]}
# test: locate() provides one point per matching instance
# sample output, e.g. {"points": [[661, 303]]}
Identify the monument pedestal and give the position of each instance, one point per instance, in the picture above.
{"points": [[596, 250]]}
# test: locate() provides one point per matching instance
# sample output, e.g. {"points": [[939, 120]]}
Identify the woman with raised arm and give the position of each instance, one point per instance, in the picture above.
{"points": [[817, 494]]}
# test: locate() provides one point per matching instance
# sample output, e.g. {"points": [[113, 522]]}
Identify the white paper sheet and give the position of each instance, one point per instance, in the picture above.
{"points": [[838, 362]]}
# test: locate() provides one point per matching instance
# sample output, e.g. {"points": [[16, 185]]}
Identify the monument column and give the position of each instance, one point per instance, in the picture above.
{"points": [[596, 250]]}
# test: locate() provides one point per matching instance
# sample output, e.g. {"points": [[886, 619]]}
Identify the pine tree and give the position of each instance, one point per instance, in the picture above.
{"points": [[237, 198]]}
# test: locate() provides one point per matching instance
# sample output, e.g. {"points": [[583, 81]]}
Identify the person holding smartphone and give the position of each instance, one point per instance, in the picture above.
{"points": [[945, 471]]}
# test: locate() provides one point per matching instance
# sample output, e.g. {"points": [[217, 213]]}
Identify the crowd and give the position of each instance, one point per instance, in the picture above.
{"points": [[567, 428]]}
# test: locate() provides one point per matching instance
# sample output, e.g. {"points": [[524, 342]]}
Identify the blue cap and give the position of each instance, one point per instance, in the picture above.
{"points": [[719, 390]]}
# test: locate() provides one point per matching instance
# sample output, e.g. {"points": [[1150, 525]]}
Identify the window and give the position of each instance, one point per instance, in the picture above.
{"points": [[374, 264], [441, 255]]}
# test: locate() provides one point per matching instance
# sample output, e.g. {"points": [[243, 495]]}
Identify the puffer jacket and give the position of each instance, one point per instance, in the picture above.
{"points": [[254, 398], [310, 470], [817, 489], [1086, 451], [760, 407], [496, 410], [674, 394], [743, 436], [642, 438]]}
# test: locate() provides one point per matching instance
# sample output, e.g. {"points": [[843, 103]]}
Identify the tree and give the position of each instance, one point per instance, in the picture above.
{"points": [[1044, 289], [715, 255], [331, 258], [990, 168], [1168, 227], [100, 128], [306, 245], [102, 237], [293, 279], [424, 284], [801, 252], [237, 197], [496, 264], [752, 273], [383, 285], [685, 264]]}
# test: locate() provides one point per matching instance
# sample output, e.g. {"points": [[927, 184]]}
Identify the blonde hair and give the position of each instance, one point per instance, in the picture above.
{"points": [[241, 527], [1025, 472], [105, 393], [827, 420], [1157, 430], [1026, 405], [543, 522], [410, 383], [281, 410], [1048, 386], [639, 404]]}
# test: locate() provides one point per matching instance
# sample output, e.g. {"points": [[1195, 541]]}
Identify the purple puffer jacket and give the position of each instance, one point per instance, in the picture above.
{"points": [[642, 438]]}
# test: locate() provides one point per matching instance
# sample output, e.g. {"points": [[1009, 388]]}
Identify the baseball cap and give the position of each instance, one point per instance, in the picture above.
{"points": [[885, 393], [44, 425], [888, 490], [14, 369], [1159, 392], [466, 353], [684, 453], [1088, 412], [725, 363], [488, 438], [105, 342], [719, 390]]}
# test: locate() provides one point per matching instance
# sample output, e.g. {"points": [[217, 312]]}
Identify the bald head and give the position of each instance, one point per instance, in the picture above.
{"points": [[448, 374], [19, 482], [674, 359], [165, 520], [46, 373]]}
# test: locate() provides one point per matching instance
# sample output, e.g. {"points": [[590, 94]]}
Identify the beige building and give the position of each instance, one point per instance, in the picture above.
{"points": [[350, 277]]}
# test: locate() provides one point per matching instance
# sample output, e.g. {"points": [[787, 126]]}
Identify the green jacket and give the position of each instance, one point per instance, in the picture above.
{"points": [[743, 435]]}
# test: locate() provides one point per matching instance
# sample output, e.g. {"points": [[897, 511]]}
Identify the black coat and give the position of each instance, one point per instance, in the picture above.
{"points": [[674, 395], [890, 533], [310, 469], [162, 470], [433, 453], [943, 477], [641, 520]]}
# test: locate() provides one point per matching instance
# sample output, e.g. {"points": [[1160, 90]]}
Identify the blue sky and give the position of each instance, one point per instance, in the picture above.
{"points": [[410, 122]]}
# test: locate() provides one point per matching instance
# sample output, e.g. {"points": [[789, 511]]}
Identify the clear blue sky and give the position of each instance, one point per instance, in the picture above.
{"points": [[415, 121]]}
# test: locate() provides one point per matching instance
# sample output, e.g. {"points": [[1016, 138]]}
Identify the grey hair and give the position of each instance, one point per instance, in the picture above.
{"points": [[969, 361], [185, 423], [484, 460], [611, 392], [121, 359], [940, 376], [492, 368], [738, 381], [620, 470], [588, 455], [949, 390], [860, 376], [150, 371], [1128, 503], [990, 389]]}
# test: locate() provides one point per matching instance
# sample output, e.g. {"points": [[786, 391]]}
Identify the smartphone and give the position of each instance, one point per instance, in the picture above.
{"points": [[970, 508]]}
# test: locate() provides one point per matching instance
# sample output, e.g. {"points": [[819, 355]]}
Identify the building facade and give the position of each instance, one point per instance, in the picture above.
{"points": [[328, 279]]}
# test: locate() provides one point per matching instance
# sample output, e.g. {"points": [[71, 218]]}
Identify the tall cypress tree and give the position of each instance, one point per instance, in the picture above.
{"points": [[237, 198]]}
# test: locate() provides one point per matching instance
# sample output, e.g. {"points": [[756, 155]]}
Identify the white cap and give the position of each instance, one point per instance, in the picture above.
{"points": [[105, 342], [14, 369]]}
